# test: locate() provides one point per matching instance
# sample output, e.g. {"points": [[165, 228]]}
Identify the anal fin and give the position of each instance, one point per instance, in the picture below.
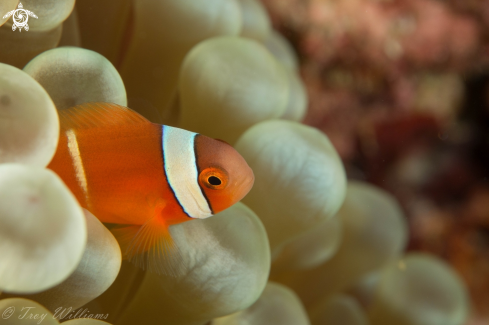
{"points": [[150, 247]]}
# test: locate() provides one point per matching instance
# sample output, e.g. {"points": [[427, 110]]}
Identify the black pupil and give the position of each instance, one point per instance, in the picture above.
{"points": [[213, 180]]}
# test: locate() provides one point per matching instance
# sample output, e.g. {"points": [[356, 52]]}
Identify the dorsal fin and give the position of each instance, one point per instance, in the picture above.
{"points": [[95, 115]]}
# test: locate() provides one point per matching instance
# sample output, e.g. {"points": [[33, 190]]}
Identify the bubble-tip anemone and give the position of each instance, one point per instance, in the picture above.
{"points": [[256, 23], [150, 68], [227, 84], [112, 17], [94, 274], [19, 48], [299, 178], [74, 76], [277, 305], [280, 47], [374, 232], [6, 6], [297, 102], [29, 124], [85, 321], [228, 261], [71, 31], [419, 289], [311, 248], [43, 229], [50, 13], [339, 310]]}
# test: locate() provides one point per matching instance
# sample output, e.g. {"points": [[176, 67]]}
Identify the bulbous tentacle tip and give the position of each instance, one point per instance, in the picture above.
{"points": [[276, 305], [417, 289], [42, 229]]}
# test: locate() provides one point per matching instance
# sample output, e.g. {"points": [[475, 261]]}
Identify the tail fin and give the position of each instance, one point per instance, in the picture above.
{"points": [[150, 247]]}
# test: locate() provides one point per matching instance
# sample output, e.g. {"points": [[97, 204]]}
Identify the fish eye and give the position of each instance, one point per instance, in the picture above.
{"points": [[214, 178]]}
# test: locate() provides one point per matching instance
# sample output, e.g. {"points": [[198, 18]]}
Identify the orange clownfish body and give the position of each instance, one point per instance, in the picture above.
{"points": [[145, 177]]}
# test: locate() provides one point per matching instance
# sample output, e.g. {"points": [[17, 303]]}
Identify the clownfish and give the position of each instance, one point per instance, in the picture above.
{"points": [[144, 177]]}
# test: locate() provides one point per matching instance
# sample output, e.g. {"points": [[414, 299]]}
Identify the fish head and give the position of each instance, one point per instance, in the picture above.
{"points": [[224, 176]]}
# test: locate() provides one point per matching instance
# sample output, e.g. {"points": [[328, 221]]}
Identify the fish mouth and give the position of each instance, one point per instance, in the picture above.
{"points": [[251, 180], [247, 184]]}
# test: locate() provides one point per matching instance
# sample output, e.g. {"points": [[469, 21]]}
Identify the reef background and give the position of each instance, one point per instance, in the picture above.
{"points": [[402, 90]]}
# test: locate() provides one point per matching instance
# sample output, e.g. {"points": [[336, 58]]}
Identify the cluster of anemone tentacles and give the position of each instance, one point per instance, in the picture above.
{"points": [[305, 246]]}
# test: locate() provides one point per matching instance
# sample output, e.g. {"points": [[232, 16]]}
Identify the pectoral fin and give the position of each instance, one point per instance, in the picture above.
{"points": [[150, 247]]}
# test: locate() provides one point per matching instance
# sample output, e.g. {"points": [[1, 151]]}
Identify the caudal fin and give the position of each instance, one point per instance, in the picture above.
{"points": [[150, 247]]}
